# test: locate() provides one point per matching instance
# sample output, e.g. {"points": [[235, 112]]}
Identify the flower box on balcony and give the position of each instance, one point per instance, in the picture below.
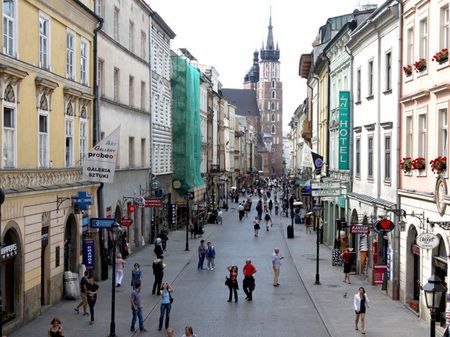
{"points": [[441, 56], [420, 65], [418, 164], [439, 165], [406, 164], [408, 69]]}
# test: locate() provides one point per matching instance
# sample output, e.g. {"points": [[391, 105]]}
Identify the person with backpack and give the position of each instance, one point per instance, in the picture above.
{"points": [[268, 221], [210, 256], [256, 226]]}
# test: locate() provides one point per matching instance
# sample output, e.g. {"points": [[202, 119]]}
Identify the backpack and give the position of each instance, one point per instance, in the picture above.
{"points": [[267, 217]]}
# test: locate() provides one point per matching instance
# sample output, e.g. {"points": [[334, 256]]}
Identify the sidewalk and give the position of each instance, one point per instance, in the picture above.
{"points": [[334, 299], [176, 259]]}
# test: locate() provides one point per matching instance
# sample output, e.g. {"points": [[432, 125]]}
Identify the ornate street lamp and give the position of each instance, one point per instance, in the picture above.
{"points": [[317, 213], [433, 290], [114, 234]]}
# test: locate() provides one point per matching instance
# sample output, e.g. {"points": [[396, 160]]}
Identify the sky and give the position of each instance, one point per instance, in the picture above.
{"points": [[225, 33]]}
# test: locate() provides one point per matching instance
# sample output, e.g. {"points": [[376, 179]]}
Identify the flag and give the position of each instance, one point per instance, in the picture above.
{"points": [[100, 163], [318, 162], [306, 159]]}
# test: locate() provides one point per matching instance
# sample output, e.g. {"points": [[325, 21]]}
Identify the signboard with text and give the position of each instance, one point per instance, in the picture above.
{"points": [[89, 254], [344, 129], [326, 193], [359, 229], [102, 222], [153, 202]]}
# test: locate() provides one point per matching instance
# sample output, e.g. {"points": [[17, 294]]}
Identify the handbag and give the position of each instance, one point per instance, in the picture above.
{"points": [[227, 281], [170, 298]]}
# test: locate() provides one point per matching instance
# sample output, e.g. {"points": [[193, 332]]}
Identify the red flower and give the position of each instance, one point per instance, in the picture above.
{"points": [[438, 165]]}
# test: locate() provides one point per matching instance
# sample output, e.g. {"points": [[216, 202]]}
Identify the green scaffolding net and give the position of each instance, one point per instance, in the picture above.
{"points": [[186, 132]]}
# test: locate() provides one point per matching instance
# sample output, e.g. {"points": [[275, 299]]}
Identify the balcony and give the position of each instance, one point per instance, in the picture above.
{"points": [[306, 130]]}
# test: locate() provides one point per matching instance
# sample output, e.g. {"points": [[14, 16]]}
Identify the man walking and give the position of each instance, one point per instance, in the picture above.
{"points": [[210, 256], [136, 307], [158, 249], [201, 254], [83, 291], [249, 281], [92, 291], [276, 265]]}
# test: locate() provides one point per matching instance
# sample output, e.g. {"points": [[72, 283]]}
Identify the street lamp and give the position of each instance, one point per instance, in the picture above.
{"points": [[433, 290], [317, 210], [2, 200], [114, 233]]}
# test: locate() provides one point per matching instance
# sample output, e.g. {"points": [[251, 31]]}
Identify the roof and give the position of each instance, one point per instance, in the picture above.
{"points": [[304, 65], [164, 26], [244, 100]]}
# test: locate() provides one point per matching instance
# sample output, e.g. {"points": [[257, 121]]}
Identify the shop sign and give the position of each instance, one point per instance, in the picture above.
{"points": [[344, 129], [389, 264], [83, 200], [102, 222], [8, 252], [89, 254], [125, 221], [153, 202], [427, 241], [359, 229], [384, 226]]}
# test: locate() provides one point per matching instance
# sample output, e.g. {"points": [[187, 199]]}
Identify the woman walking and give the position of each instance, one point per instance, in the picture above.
{"points": [[120, 264], [361, 303], [232, 283], [166, 304], [136, 274], [189, 332], [56, 329], [256, 226], [346, 257]]}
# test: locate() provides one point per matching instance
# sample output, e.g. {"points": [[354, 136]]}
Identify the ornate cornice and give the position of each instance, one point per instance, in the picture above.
{"points": [[45, 86], [11, 74], [29, 179]]}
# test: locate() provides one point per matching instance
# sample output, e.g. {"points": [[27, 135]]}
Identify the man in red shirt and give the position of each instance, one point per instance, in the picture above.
{"points": [[249, 281]]}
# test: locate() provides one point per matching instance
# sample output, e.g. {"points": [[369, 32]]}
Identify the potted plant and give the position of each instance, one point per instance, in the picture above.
{"points": [[405, 164], [441, 56], [439, 165], [408, 69], [418, 164], [420, 65], [414, 304]]}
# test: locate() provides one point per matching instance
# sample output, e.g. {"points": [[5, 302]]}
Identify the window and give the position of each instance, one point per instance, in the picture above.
{"points": [[101, 77], [274, 129], [274, 94], [101, 8], [409, 136], [358, 156], [370, 157], [273, 117], [83, 140], [116, 84], [445, 28], [358, 85], [272, 106], [116, 23], [143, 94], [387, 157], [84, 54], [131, 152], [131, 90], [388, 71], [443, 132], [43, 138], [131, 36], [423, 42], [266, 70], [70, 55], [273, 85], [44, 42], [370, 79], [143, 157], [143, 45], [9, 27], [69, 141], [9, 136], [410, 46], [422, 135]]}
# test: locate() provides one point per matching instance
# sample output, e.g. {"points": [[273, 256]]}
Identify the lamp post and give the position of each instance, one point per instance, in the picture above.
{"points": [[2, 200], [433, 290], [317, 210], [114, 233]]}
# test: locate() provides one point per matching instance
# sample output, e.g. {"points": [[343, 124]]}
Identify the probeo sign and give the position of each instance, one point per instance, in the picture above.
{"points": [[427, 241]]}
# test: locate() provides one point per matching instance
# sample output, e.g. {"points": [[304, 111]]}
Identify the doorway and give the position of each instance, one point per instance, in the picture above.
{"points": [[70, 245], [12, 282]]}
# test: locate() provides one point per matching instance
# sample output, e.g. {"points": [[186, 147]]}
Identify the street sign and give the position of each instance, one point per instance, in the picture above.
{"points": [[8, 252], [326, 193], [102, 222], [153, 202], [125, 221], [325, 185], [189, 196]]}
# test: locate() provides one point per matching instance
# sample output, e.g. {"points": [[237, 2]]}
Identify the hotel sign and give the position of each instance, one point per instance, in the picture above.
{"points": [[344, 130]]}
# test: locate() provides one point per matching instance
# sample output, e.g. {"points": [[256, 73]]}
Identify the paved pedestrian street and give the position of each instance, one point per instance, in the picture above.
{"points": [[296, 308]]}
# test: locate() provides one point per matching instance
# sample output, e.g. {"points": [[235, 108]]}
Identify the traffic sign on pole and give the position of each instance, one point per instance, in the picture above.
{"points": [[325, 185], [102, 222], [326, 193]]}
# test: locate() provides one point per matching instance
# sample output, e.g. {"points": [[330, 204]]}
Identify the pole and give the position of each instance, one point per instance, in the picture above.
{"points": [[112, 327], [317, 248], [2, 199], [432, 324], [187, 225]]}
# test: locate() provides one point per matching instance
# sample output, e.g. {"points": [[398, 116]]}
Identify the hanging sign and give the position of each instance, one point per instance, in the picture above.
{"points": [[427, 241], [100, 162], [8, 252], [127, 222], [359, 229], [384, 226], [131, 208], [89, 254], [153, 202], [306, 159], [344, 129]]}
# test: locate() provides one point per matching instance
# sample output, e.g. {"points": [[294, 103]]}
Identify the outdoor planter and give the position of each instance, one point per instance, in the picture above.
{"points": [[406, 164], [418, 164], [414, 304], [420, 65], [408, 69], [441, 56], [439, 165]]}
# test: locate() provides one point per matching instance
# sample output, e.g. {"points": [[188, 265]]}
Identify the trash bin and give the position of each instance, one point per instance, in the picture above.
{"points": [[290, 232]]}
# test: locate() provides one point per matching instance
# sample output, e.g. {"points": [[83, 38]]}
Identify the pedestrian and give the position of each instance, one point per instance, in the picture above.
{"points": [[259, 209], [361, 303], [170, 332], [83, 291], [164, 236], [346, 257], [158, 249], [270, 206], [277, 206], [136, 274], [232, 283], [189, 332], [220, 217], [268, 221], [249, 281], [158, 272], [166, 304], [241, 211], [56, 329], [201, 254], [308, 222], [136, 307], [210, 256], [120, 264], [276, 265], [256, 226], [92, 291]]}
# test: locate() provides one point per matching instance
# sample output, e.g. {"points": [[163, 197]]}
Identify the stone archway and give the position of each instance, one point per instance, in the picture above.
{"points": [[412, 279], [71, 238], [440, 269]]}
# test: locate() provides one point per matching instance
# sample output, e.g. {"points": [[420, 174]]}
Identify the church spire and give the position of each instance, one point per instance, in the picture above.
{"points": [[269, 44], [269, 52]]}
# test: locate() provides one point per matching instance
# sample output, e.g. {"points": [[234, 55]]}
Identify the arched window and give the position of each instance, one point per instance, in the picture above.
{"points": [[9, 94], [274, 94], [272, 106], [274, 129], [9, 128], [83, 133], [273, 84], [69, 109], [69, 135], [43, 134], [273, 117]]}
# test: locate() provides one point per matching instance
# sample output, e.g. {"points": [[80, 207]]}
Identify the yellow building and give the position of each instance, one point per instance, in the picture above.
{"points": [[46, 86]]}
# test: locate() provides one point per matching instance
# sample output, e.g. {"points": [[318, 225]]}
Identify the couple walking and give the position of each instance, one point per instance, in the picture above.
{"points": [[208, 252], [248, 284]]}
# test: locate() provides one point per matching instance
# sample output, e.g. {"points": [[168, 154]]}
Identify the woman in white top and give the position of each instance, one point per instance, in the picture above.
{"points": [[360, 303], [120, 264]]}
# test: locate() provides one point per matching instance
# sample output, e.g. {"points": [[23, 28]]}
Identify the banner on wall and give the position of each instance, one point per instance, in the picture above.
{"points": [[344, 129], [89, 254]]}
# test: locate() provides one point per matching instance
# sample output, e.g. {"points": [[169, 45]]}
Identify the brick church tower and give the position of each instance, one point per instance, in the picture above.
{"points": [[264, 77]]}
